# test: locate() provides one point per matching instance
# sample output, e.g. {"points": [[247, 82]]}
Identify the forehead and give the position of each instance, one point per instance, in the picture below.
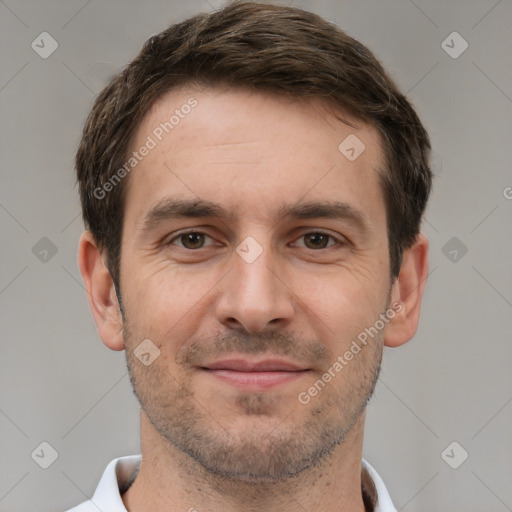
{"points": [[252, 150]]}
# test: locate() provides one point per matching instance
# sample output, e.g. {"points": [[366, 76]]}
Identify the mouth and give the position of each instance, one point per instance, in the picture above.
{"points": [[254, 375]]}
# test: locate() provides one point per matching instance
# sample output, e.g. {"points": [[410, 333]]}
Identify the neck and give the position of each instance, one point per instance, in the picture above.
{"points": [[168, 476]]}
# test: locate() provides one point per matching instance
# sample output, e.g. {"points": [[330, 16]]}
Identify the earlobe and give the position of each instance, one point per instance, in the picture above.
{"points": [[100, 292], [407, 291]]}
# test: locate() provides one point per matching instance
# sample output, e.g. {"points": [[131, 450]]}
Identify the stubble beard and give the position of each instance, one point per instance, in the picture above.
{"points": [[268, 450]]}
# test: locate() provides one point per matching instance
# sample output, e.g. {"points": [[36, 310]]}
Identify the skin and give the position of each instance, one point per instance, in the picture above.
{"points": [[207, 444]]}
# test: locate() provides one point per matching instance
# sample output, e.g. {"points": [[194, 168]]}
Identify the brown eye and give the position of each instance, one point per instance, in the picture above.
{"points": [[191, 240], [316, 240]]}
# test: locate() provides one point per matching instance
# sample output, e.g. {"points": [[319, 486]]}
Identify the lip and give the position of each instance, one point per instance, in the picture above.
{"points": [[244, 365], [255, 375]]}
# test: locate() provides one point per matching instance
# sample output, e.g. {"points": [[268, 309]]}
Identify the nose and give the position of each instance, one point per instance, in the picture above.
{"points": [[254, 296]]}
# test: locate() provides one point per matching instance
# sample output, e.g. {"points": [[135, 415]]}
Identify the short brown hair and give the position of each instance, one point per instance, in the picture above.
{"points": [[268, 48]]}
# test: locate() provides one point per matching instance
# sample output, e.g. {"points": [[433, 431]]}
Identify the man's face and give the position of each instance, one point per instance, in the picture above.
{"points": [[246, 326]]}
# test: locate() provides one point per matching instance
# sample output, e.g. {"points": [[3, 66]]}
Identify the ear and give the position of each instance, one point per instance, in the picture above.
{"points": [[407, 293], [100, 292]]}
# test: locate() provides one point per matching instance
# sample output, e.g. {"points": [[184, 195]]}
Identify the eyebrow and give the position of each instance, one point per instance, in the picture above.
{"points": [[175, 208]]}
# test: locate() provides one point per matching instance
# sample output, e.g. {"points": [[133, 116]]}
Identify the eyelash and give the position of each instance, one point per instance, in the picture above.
{"points": [[338, 241]]}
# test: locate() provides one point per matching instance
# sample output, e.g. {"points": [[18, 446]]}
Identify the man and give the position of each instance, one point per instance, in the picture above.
{"points": [[252, 185]]}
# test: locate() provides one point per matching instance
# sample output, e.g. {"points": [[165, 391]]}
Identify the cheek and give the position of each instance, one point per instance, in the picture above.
{"points": [[163, 300], [343, 302]]}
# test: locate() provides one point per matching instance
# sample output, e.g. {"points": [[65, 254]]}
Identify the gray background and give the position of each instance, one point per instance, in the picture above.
{"points": [[59, 384]]}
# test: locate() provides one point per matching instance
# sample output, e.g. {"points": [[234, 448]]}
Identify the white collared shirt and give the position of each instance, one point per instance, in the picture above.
{"points": [[121, 472]]}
